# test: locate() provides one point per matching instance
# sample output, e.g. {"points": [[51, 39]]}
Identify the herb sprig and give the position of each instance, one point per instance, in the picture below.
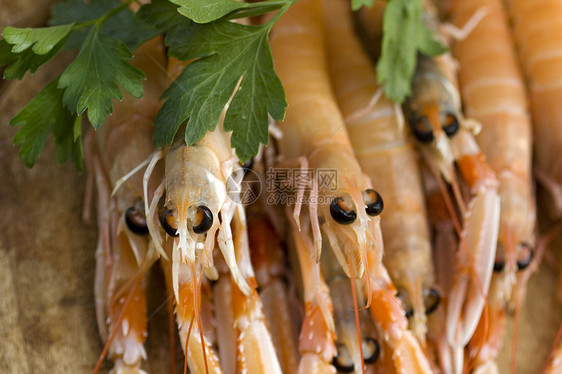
{"points": [[227, 53], [404, 35], [106, 32], [89, 83]]}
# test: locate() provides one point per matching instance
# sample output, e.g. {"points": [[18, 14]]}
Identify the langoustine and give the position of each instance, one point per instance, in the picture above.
{"points": [[204, 212], [381, 144], [493, 92], [445, 138], [314, 135]]}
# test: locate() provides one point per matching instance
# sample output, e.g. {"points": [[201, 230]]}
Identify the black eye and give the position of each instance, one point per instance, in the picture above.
{"points": [[432, 300], [204, 220], [499, 262], [341, 213], [135, 220], [168, 222], [343, 361], [374, 202], [371, 350], [451, 125], [526, 255], [422, 129], [499, 265]]}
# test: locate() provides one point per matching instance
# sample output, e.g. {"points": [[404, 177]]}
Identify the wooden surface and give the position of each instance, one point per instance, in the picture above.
{"points": [[47, 319]]}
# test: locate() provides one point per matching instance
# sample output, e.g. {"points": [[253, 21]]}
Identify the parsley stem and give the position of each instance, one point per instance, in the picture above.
{"points": [[255, 9], [282, 10], [101, 20], [114, 11]]}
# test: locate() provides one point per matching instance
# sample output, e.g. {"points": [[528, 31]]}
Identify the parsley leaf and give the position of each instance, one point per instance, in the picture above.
{"points": [[163, 15], [427, 43], [90, 80], [124, 25], [404, 34], [28, 49], [356, 4], [205, 11], [226, 52], [41, 40], [6, 55], [43, 113], [68, 141]]}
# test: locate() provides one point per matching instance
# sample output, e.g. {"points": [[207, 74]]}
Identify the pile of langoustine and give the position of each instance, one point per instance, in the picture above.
{"points": [[457, 222]]}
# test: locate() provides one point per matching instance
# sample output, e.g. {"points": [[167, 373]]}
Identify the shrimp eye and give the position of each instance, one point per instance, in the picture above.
{"points": [[167, 221], [422, 129], [373, 201], [432, 300], [371, 350], [527, 251], [136, 221], [409, 313], [499, 265], [451, 125], [343, 361], [341, 212], [499, 262], [204, 220], [408, 310]]}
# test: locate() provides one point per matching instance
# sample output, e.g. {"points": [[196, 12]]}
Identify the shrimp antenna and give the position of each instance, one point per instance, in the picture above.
{"points": [[171, 332], [127, 176], [199, 323], [150, 210], [356, 311], [195, 315], [187, 343]]}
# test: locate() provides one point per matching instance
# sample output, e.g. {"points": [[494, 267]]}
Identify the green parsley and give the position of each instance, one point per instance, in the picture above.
{"points": [[28, 49], [41, 40], [226, 53], [45, 112], [89, 83], [356, 4], [106, 32], [205, 11], [404, 34], [90, 80], [124, 25]]}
